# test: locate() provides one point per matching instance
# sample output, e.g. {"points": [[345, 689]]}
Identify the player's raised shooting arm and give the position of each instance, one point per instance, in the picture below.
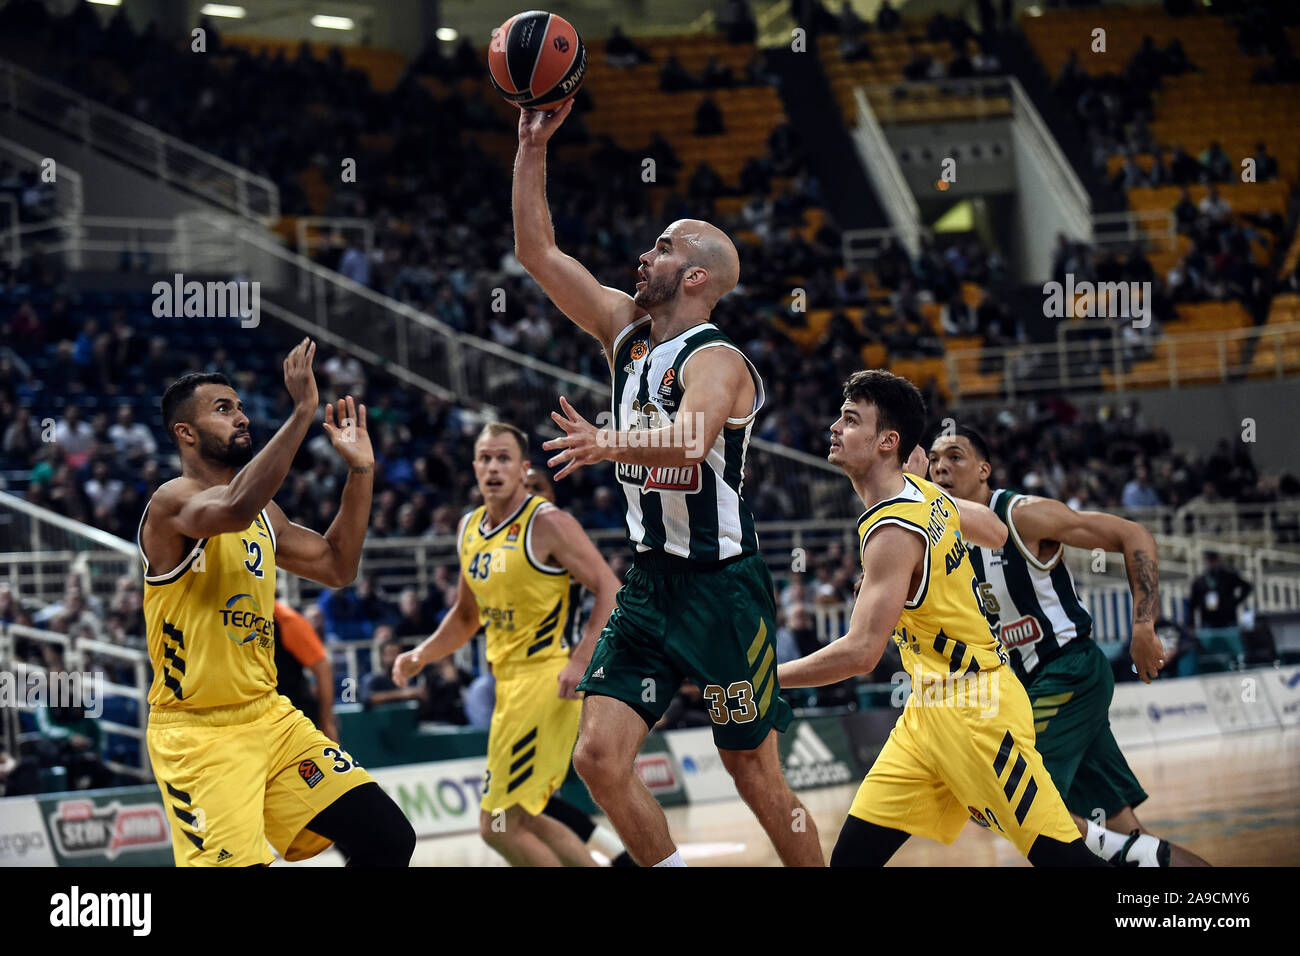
{"points": [[558, 534], [891, 555], [600, 310], [980, 525]]}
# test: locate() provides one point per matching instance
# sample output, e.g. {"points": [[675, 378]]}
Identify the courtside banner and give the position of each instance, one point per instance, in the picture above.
{"points": [[23, 838], [1282, 684], [1238, 702], [1128, 715], [815, 753], [438, 798], [660, 772], [703, 775], [1178, 710], [126, 826]]}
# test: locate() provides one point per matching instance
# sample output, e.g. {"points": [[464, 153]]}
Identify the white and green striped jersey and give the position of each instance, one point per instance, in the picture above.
{"points": [[695, 512], [1035, 603]]}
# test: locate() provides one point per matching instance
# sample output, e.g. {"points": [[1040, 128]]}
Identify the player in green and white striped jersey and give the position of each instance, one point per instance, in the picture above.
{"points": [[1048, 634], [698, 602]]}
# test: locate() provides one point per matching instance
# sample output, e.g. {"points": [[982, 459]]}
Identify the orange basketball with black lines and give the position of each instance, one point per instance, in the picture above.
{"points": [[536, 60]]}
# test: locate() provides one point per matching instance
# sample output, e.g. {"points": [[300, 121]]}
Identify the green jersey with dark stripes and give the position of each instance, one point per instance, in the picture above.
{"points": [[695, 511], [1035, 603]]}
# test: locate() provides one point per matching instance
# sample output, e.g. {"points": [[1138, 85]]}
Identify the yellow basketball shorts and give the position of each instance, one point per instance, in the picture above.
{"points": [[531, 741], [955, 757], [234, 778]]}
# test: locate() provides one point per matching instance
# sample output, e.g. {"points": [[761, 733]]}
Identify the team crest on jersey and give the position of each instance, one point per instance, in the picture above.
{"points": [[310, 773], [513, 533], [1020, 632], [639, 350]]}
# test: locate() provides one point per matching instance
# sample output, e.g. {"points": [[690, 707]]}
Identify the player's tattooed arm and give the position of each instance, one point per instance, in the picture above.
{"points": [[1042, 519], [891, 556]]}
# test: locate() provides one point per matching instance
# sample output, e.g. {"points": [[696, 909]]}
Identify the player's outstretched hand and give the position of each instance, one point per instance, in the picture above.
{"points": [[299, 378], [405, 667], [348, 434], [1147, 651], [538, 126], [581, 442]]}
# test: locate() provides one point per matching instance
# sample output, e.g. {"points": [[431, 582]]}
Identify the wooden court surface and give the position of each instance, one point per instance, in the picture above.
{"points": [[1231, 799]]}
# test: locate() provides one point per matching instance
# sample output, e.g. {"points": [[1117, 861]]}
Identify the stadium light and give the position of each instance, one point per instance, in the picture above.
{"points": [[446, 34], [107, 3], [331, 23], [222, 10]]}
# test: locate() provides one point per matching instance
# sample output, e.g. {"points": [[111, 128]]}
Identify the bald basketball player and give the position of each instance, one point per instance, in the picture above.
{"points": [[698, 600]]}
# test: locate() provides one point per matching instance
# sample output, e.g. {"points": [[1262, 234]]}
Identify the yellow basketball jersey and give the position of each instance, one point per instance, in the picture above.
{"points": [[209, 621], [523, 603], [942, 630]]}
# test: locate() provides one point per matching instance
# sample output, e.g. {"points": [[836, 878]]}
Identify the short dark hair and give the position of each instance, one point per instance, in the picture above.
{"points": [[179, 394], [977, 441], [899, 405]]}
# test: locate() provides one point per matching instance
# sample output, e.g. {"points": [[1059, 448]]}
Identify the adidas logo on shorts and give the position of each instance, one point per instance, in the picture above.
{"points": [[600, 672], [224, 855]]}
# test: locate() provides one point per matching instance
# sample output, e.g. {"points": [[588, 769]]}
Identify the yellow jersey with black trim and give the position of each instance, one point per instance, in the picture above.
{"points": [[209, 621], [943, 629], [524, 604]]}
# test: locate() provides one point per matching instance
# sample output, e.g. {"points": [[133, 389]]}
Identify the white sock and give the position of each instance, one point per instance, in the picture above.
{"points": [[674, 860], [606, 841], [1104, 843], [1144, 851]]}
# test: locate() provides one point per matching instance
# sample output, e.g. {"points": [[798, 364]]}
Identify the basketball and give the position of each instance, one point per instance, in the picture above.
{"points": [[537, 60]]}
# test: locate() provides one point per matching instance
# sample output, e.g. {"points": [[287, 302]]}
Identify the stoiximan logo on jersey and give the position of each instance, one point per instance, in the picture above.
{"points": [[82, 829], [243, 621], [1018, 633]]}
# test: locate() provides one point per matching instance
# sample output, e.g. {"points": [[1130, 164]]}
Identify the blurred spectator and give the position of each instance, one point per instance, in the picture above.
{"points": [[1216, 598], [621, 51], [378, 687], [708, 118], [132, 441]]}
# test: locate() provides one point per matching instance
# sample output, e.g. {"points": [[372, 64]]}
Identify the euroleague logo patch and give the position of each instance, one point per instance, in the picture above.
{"points": [[513, 533], [639, 350], [310, 773], [978, 817], [561, 44]]}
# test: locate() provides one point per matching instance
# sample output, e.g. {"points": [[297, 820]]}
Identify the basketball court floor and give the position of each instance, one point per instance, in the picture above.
{"points": [[1232, 799]]}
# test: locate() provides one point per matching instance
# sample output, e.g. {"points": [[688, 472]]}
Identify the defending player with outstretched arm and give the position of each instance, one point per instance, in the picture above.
{"points": [[237, 764], [1029, 592], [951, 756]]}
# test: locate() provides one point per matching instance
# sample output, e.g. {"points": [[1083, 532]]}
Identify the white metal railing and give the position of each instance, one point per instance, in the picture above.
{"points": [[79, 653], [69, 197], [986, 97], [130, 141], [12, 249], [1156, 229], [881, 166], [310, 232], [1173, 361], [1034, 134]]}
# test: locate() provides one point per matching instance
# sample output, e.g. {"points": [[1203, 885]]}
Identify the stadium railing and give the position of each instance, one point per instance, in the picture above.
{"points": [[881, 166], [83, 656], [1119, 364], [138, 144], [68, 204]]}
